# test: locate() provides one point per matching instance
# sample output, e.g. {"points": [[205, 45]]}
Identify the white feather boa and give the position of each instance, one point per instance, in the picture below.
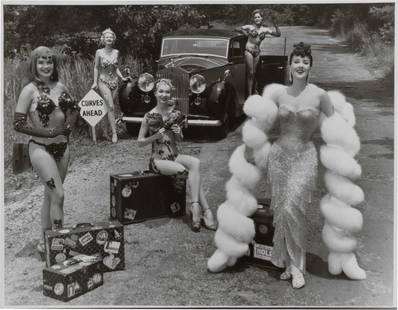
{"points": [[341, 220], [236, 230]]}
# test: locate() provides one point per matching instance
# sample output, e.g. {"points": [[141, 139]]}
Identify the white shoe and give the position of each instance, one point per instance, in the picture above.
{"points": [[298, 278], [286, 275]]}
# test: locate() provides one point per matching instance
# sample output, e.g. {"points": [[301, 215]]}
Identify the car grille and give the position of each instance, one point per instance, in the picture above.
{"points": [[180, 79]]}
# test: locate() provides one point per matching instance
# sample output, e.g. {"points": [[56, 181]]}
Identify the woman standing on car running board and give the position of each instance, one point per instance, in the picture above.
{"points": [[255, 35]]}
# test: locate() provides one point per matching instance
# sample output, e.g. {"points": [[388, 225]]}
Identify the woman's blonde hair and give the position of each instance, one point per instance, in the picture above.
{"points": [[168, 82], [107, 30]]}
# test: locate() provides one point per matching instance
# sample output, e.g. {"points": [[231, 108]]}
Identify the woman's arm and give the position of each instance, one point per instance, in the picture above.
{"points": [[326, 105], [277, 32], [96, 63], [119, 74], [244, 29], [21, 119], [142, 139], [177, 132]]}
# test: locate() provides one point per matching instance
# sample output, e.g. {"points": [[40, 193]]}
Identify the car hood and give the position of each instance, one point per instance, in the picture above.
{"points": [[194, 63]]}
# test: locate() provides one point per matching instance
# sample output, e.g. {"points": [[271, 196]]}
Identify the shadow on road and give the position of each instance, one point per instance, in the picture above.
{"points": [[317, 267]]}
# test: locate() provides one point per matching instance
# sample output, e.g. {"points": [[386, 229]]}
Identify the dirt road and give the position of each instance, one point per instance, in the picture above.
{"points": [[166, 262]]}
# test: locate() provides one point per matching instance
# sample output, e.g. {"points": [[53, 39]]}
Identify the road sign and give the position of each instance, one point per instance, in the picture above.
{"points": [[92, 107]]}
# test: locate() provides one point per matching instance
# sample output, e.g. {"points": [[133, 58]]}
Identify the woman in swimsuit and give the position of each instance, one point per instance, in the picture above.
{"points": [[106, 73], [160, 127], [255, 35], [48, 105]]}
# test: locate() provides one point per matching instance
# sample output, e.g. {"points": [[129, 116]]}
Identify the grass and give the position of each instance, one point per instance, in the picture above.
{"points": [[371, 46]]}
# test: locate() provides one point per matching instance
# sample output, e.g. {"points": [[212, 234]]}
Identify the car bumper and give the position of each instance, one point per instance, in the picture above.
{"points": [[191, 122]]}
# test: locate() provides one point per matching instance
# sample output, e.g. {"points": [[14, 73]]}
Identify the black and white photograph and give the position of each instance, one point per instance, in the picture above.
{"points": [[198, 154]]}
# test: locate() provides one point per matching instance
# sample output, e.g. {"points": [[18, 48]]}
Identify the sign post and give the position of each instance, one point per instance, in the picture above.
{"points": [[92, 109]]}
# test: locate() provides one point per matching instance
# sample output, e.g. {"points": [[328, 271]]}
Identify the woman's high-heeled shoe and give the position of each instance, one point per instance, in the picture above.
{"points": [[40, 248], [195, 215], [208, 220], [114, 138], [286, 275], [298, 278]]}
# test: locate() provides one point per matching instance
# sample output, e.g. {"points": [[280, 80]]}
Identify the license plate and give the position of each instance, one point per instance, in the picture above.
{"points": [[262, 251]]}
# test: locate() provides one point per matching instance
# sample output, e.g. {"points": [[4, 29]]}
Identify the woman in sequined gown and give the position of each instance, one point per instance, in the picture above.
{"points": [[161, 128], [106, 74], [47, 104], [255, 35], [293, 163]]}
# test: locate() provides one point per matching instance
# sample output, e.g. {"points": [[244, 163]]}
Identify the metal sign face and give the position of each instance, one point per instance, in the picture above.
{"points": [[92, 108]]}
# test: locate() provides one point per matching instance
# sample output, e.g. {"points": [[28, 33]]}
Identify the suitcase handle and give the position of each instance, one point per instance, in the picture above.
{"points": [[83, 225], [141, 172]]}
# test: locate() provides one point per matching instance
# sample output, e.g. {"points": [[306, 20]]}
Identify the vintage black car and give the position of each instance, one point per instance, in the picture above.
{"points": [[208, 69]]}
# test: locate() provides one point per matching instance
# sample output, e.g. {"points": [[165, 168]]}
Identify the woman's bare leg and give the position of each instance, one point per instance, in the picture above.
{"points": [[255, 64], [45, 166], [250, 72], [192, 164], [108, 97]]}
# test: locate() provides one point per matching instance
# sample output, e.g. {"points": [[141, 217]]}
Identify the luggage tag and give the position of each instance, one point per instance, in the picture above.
{"points": [[111, 261], [112, 247]]}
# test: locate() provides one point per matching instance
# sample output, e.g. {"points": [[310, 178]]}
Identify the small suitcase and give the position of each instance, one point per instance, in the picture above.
{"points": [[73, 277], [143, 195], [105, 239], [260, 249]]}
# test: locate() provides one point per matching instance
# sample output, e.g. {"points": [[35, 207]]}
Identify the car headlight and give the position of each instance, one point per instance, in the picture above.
{"points": [[197, 83], [146, 82]]}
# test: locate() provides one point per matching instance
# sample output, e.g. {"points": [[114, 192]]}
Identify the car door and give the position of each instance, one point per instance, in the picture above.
{"points": [[238, 69]]}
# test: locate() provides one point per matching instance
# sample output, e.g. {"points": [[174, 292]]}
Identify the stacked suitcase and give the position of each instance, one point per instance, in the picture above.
{"points": [[73, 277], [77, 257]]}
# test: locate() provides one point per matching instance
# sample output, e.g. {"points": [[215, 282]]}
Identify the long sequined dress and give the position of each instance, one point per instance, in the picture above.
{"points": [[292, 173]]}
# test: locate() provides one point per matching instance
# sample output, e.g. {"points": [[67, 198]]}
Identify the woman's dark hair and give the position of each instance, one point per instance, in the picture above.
{"points": [[257, 11], [42, 52], [301, 49]]}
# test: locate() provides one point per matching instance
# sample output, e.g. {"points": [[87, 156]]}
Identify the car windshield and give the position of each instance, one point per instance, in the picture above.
{"points": [[196, 46]]}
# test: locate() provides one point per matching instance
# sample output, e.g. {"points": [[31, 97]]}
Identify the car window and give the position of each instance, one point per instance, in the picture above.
{"points": [[196, 46], [235, 48]]}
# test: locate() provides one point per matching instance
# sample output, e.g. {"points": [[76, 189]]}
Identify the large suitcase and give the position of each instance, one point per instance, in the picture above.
{"points": [[73, 277], [260, 249], [143, 195], [105, 239]]}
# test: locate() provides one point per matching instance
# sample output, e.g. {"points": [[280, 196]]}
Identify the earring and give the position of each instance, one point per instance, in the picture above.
{"points": [[291, 77], [308, 77]]}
